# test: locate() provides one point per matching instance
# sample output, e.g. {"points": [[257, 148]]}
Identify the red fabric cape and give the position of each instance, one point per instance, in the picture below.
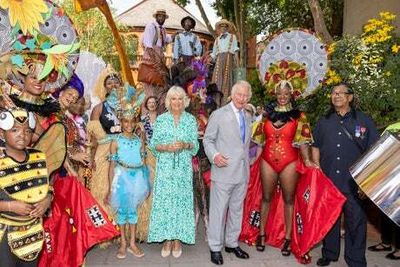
{"points": [[318, 204], [77, 222]]}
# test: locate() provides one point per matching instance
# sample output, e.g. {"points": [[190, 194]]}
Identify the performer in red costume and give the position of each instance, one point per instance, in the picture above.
{"points": [[284, 205], [286, 132]]}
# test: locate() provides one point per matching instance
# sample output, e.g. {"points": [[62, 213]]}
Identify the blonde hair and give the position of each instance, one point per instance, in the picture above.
{"points": [[176, 90]]}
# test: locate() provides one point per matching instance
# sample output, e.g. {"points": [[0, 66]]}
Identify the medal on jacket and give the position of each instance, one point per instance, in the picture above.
{"points": [[363, 130], [358, 131]]}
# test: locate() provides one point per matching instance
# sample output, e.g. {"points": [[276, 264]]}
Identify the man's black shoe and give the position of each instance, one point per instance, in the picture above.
{"points": [[324, 261], [216, 257], [238, 252]]}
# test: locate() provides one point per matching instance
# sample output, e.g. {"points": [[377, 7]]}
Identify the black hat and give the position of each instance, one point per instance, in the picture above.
{"points": [[189, 18], [212, 89]]}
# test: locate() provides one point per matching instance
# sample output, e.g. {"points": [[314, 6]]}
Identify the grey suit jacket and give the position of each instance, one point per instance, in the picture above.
{"points": [[223, 135]]}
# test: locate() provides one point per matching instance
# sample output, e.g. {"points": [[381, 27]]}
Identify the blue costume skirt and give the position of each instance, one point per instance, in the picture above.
{"points": [[130, 187]]}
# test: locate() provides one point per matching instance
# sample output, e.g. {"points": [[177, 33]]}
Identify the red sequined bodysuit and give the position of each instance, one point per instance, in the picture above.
{"points": [[278, 151]]}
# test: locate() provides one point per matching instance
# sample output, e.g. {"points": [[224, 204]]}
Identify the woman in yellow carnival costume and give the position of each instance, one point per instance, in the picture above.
{"points": [[102, 126]]}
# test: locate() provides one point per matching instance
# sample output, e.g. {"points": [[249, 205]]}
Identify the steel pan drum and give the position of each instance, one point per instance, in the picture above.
{"points": [[377, 173]]}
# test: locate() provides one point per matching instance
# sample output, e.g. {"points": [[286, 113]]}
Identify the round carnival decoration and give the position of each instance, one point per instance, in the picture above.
{"points": [[303, 51], [37, 31]]}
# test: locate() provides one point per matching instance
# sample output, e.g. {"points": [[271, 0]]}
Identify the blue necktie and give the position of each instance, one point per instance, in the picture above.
{"points": [[242, 125]]}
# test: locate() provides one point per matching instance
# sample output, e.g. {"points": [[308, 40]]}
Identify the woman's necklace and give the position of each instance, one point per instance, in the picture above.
{"points": [[31, 99], [285, 108]]}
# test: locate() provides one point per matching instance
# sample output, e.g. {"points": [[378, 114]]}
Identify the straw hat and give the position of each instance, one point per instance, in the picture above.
{"points": [[160, 12], [231, 27]]}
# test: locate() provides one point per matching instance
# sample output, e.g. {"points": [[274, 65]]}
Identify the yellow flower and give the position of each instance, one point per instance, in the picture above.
{"points": [[331, 48], [27, 13], [357, 60], [387, 74], [395, 48], [332, 77], [387, 16]]}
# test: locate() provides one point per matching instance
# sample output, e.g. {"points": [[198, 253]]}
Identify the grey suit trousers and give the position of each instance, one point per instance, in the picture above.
{"points": [[226, 213]]}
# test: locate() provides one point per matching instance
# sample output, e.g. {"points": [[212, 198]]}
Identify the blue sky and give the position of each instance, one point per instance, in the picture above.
{"points": [[122, 5]]}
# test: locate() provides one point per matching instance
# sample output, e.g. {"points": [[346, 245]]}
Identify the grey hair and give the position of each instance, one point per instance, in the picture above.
{"points": [[239, 84], [176, 90]]}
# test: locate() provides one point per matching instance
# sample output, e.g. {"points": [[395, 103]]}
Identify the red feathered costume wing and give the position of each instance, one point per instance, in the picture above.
{"points": [[76, 224], [318, 204]]}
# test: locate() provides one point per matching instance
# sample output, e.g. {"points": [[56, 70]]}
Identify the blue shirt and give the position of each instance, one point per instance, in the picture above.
{"points": [[225, 43], [188, 44], [337, 151]]}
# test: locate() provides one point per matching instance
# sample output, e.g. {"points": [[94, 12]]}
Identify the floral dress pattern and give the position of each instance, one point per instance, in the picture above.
{"points": [[172, 213]]}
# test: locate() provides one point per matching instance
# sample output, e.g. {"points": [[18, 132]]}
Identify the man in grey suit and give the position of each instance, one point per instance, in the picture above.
{"points": [[226, 143]]}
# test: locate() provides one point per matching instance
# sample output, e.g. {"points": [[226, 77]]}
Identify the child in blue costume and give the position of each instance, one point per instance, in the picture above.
{"points": [[129, 179]]}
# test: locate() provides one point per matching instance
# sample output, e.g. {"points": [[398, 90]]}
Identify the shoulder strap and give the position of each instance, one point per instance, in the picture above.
{"points": [[194, 43], [230, 42], [217, 46], [155, 39], [179, 45], [350, 136]]}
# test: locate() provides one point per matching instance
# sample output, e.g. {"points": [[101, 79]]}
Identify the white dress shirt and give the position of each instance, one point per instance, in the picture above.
{"points": [[152, 34], [236, 110]]}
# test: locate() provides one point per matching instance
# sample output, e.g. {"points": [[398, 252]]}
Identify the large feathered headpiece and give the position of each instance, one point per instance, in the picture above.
{"points": [[37, 35]]}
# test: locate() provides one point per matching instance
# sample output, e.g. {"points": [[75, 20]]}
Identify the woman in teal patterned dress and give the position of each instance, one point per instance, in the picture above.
{"points": [[174, 143]]}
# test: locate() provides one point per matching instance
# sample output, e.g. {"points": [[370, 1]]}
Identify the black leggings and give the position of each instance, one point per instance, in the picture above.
{"points": [[8, 259]]}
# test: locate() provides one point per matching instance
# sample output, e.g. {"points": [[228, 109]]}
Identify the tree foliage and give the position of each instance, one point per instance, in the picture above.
{"points": [[95, 34], [370, 64], [268, 16]]}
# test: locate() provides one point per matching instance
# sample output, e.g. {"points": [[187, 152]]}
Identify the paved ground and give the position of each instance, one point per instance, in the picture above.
{"points": [[199, 256]]}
